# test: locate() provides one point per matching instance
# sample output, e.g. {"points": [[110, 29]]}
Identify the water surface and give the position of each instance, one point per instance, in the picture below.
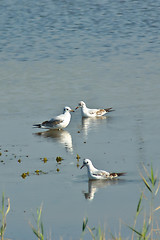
{"points": [[56, 53]]}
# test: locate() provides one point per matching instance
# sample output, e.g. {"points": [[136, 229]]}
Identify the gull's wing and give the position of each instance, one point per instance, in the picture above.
{"points": [[92, 111], [98, 112], [101, 173], [51, 123]]}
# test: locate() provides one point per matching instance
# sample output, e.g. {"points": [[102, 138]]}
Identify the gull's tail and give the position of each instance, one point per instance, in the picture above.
{"points": [[37, 125], [114, 175], [121, 174], [109, 110]]}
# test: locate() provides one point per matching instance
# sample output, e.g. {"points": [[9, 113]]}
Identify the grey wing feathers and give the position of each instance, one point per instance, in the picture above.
{"points": [[51, 122]]}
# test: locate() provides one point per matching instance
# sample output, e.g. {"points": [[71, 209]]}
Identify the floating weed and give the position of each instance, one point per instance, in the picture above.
{"points": [[0, 153], [59, 159], [19, 160], [57, 169], [77, 157], [45, 160], [24, 175], [38, 172]]}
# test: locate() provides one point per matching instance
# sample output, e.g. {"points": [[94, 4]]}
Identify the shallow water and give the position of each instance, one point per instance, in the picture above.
{"points": [[55, 54]]}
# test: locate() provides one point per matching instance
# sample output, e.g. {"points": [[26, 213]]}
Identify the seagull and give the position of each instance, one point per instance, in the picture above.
{"points": [[87, 112], [58, 122], [96, 174]]}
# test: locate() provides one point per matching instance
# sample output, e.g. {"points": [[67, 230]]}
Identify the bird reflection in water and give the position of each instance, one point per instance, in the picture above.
{"points": [[94, 185], [92, 123], [63, 137]]}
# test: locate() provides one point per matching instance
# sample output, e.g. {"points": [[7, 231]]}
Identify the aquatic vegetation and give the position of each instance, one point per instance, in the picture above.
{"points": [[24, 175], [3, 220], [38, 172], [78, 157], [100, 234], [39, 231], [19, 160], [45, 159], [58, 170], [59, 159], [150, 227], [0, 153]]}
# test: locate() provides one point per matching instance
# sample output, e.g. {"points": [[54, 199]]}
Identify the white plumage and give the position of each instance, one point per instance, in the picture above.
{"points": [[94, 173], [88, 112], [57, 122]]}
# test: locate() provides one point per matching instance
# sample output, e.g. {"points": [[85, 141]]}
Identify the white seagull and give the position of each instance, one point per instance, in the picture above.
{"points": [[87, 112], [96, 174], [58, 122]]}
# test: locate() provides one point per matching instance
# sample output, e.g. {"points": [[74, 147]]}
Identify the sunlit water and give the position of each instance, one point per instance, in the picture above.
{"points": [[56, 53]]}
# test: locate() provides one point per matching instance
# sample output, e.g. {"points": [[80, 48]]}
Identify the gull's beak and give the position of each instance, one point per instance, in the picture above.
{"points": [[71, 110], [76, 108], [82, 166]]}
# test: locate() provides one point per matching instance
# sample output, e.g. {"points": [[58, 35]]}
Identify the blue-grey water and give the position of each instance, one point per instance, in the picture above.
{"points": [[56, 53]]}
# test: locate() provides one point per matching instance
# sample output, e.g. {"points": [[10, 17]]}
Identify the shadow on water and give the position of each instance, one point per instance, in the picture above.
{"points": [[61, 136]]}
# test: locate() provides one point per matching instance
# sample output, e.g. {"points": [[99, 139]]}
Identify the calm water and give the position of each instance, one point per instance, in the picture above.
{"points": [[56, 53]]}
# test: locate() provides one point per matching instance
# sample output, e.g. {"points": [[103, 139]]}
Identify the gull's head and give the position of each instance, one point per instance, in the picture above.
{"points": [[68, 109], [81, 104], [86, 162]]}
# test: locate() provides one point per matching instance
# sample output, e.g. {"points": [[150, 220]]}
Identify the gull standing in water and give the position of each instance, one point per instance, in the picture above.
{"points": [[87, 112], [59, 122], [96, 174]]}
